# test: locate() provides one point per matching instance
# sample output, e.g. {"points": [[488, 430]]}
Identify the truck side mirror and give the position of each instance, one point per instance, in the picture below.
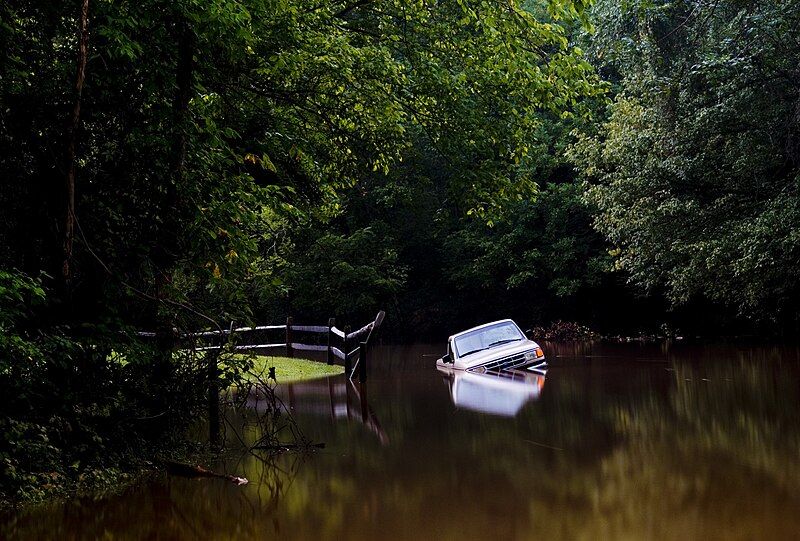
{"points": [[446, 358]]}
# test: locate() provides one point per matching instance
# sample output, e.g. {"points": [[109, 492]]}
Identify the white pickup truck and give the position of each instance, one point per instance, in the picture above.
{"points": [[493, 346]]}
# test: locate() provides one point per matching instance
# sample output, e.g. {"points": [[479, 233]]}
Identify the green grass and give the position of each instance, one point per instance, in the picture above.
{"points": [[289, 370]]}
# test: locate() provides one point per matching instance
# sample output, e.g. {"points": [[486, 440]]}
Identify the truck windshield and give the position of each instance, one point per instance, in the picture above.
{"points": [[487, 337]]}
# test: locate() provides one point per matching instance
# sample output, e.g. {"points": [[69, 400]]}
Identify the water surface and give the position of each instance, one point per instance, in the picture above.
{"points": [[616, 442]]}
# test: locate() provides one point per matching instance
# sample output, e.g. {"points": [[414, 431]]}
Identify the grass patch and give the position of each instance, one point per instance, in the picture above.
{"points": [[289, 370]]}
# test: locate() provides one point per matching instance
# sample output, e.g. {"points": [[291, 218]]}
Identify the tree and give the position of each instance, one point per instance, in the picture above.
{"points": [[695, 173]]}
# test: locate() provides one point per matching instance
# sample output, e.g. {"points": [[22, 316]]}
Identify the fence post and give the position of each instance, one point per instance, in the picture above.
{"points": [[213, 396], [362, 362], [289, 350], [347, 363], [331, 323]]}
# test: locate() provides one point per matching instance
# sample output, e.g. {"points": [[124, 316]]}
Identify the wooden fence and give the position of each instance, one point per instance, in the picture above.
{"points": [[340, 344]]}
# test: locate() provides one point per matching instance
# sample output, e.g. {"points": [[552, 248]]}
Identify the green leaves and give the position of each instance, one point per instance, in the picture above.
{"points": [[251, 117], [695, 171], [19, 296], [349, 274]]}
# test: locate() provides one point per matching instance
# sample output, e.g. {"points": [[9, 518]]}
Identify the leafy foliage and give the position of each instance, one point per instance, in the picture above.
{"points": [[695, 173]]}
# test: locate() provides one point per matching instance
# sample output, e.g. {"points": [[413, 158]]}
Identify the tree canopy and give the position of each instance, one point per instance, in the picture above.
{"points": [[204, 123], [695, 173]]}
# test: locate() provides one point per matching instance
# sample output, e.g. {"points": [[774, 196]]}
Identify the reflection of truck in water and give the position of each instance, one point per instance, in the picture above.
{"points": [[501, 392], [493, 346]]}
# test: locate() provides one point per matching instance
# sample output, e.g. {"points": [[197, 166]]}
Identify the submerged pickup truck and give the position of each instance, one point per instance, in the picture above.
{"points": [[494, 346]]}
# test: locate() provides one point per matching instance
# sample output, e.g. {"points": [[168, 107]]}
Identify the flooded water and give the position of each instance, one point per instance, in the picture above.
{"points": [[615, 442]]}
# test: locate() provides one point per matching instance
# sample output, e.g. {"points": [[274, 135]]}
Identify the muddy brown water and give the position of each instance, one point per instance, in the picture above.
{"points": [[615, 442]]}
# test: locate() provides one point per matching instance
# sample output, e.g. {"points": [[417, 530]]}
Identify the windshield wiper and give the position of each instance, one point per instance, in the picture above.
{"points": [[503, 342], [473, 351]]}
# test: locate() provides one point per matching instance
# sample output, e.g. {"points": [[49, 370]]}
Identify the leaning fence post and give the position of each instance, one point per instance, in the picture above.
{"points": [[331, 323], [347, 363], [289, 351], [362, 362]]}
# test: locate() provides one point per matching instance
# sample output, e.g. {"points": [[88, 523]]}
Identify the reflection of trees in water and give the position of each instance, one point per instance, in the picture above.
{"points": [[715, 456], [174, 508], [747, 410], [691, 445]]}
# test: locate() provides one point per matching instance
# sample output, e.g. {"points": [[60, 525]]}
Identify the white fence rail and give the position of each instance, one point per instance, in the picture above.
{"points": [[360, 338]]}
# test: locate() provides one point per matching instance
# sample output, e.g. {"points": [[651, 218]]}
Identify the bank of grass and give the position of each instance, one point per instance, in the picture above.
{"points": [[288, 370]]}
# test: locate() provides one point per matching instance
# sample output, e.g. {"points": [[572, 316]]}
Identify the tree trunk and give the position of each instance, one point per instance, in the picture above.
{"points": [[165, 253], [72, 143], [167, 243]]}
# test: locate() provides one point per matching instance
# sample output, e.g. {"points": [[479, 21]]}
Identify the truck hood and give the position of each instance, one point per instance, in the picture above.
{"points": [[505, 350]]}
